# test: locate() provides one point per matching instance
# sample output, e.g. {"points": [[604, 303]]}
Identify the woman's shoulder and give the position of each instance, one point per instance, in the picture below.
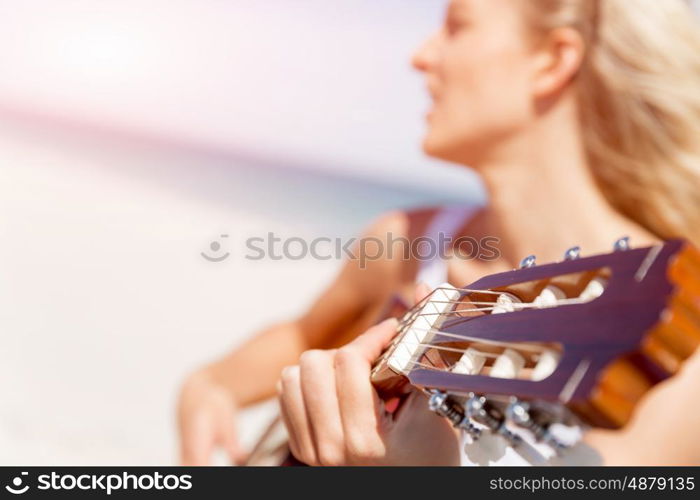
{"points": [[416, 222], [385, 245], [404, 223]]}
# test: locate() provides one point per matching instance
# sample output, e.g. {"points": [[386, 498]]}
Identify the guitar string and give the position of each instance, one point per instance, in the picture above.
{"points": [[425, 299], [436, 369], [446, 349], [517, 306], [442, 370], [477, 302], [422, 302], [459, 312], [465, 290], [525, 347], [462, 302], [412, 314], [515, 345]]}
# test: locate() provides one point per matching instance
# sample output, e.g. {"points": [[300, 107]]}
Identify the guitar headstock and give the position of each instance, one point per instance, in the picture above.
{"points": [[581, 340]]}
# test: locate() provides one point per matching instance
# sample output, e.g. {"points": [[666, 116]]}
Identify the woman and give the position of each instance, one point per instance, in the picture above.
{"points": [[581, 117]]}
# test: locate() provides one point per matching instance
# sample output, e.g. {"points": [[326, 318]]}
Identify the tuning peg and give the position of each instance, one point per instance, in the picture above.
{"points": [[518, 412], [444, 406], [480, 410], [436, 400], [572, 253], [490, 444], [622, 244], [475, 405], [527, 262]]}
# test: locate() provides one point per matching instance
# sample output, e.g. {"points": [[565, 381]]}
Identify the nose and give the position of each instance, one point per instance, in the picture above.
{"points": [[424, 57]]}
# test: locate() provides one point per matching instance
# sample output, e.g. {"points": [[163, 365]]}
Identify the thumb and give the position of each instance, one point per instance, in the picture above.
{"points": [[195, 449], [229, 441], [415, 413]]}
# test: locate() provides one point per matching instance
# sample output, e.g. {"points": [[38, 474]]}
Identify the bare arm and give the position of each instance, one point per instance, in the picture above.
{"points": [[249, 373], [345, 309], [664, 430], [210, 397]]}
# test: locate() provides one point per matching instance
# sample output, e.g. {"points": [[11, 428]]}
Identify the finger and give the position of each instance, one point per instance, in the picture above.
{"points": [[372, 343], [293, 445], [321, 402], [190, 458], [197, 444], [360, 406], [292, 403], [291, 437], [421, 291], [229, 441]]}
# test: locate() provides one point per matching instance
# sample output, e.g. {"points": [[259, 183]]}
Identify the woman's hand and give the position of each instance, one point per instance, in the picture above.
{"points": [[206, 418], [335, 417]]}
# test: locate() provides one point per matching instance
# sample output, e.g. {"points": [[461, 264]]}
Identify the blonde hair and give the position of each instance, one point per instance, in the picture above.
{"points": [[639, 91]]}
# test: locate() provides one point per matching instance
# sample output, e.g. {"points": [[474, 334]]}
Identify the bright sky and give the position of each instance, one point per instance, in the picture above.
{"points": [[327, 83]]}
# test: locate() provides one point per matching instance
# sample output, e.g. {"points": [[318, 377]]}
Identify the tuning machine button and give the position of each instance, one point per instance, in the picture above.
{"points": [[519, 414], [444, 406], [492, 445], [480, 410], [573, 253], [527, 262], [622, 245]]}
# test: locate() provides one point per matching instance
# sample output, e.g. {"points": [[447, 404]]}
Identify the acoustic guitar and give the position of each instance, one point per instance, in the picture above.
{"points": [[526, 360]]}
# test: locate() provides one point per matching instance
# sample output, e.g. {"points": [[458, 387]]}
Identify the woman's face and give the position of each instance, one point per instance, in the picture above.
{"points": [[478, 72]]}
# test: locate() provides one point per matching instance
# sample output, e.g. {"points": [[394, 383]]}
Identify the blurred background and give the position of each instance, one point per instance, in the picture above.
{"points": [[133, 134]]}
